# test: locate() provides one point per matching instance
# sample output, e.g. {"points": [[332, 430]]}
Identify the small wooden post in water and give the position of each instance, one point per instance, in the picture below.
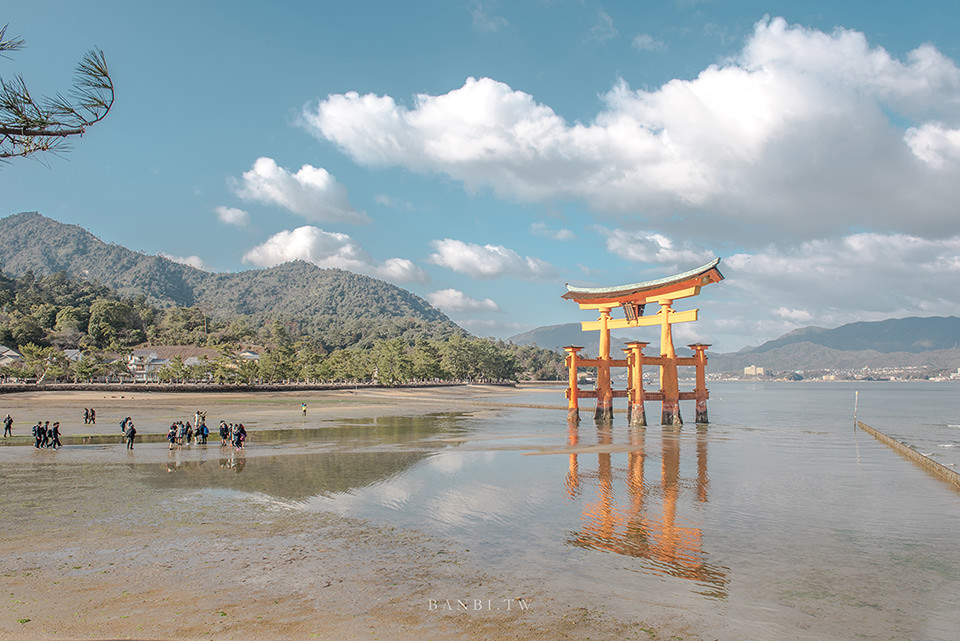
{"points": [[856, 402]]}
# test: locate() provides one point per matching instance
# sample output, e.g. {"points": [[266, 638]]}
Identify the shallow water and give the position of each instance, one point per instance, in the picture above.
{"points": [[776, 521]]}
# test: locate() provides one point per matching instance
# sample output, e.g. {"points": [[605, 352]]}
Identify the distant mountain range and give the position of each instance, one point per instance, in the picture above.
{"points": [[296, 290], [341, 301], [903, 342]]}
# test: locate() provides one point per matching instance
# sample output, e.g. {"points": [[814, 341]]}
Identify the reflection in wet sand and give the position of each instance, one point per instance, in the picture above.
{"points": [[646, 524], [351, 455]]}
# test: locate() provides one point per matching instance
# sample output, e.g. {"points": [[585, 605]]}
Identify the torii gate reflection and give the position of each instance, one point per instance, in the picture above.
{"points": [[633, 527]]}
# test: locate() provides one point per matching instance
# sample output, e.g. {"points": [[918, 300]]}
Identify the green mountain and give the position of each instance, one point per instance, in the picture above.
{"points": [[317, 299], [45, 246]]}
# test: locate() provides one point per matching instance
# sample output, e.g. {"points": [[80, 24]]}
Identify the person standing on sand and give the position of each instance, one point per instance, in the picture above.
{"points": [[93, 416], [86, 416], [303, 408], [131, 434], [55, 435], [7, 426]]}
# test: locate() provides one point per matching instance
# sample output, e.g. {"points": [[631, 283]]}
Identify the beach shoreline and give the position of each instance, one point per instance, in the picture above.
{"points": [[93, 563]]}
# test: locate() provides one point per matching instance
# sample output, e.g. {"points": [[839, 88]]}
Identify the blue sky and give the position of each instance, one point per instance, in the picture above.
{"points": [[482, 154]]}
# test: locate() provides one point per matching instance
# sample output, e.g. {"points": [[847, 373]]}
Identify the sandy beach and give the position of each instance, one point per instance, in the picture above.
{"points": [[83, 556]]}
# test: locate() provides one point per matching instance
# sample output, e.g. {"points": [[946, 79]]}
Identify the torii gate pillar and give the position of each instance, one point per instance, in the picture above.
{"points": [[604, 412], [573, 390], [636, 413], [700, 392], [669, 380]]}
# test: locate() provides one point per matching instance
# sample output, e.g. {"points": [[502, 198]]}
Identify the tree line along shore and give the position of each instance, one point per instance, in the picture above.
{"points": [[57, 330]]}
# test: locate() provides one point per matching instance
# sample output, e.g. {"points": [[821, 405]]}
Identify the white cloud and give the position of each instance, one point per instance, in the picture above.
{"points": [[935, 145], [646, 42], [488, 261], [311, 192], [454, 300], [193, 261], [485, 327], [652, 247], [861, 271], [330, 250], [233, 216], [799, 136], [401, 270], [603, 29], [393, 203], [830, 282], [541, 229], [483, 18]]}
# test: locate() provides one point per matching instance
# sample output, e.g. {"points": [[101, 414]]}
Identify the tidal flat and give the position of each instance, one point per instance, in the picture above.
{"points": [[202, 542], [477, 513]]}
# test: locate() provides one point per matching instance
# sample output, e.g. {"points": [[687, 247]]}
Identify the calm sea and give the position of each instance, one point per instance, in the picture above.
{"points": [[778, 520]]}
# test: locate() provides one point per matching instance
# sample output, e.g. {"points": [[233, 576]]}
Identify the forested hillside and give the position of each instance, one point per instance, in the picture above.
{"points": [[339, 308], [44, 317], [32, 242]]}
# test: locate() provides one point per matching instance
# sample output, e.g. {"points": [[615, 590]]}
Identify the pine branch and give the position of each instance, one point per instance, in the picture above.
{"points": [[29, 126]]}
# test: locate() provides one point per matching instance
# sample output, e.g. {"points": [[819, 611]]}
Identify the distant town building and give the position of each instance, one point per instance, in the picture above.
{"points": [[753, 370], [144, 364], [9, 356]]}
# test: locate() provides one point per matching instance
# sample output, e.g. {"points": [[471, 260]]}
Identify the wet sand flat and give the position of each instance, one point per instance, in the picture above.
{"points": [[86, 553], [154, 411]]}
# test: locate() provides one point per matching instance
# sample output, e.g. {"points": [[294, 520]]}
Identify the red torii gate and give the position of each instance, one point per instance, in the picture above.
{"points": [[633, 299]]}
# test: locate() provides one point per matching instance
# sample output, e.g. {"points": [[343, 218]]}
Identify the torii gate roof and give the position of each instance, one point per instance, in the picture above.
{"points": [[698, 277]]}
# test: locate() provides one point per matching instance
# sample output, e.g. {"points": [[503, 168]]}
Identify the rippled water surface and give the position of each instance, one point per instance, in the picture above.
{"points": [[778, 520]]}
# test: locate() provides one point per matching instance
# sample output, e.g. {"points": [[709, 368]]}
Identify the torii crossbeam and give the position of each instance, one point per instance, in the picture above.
{"points": [[633, 300]]}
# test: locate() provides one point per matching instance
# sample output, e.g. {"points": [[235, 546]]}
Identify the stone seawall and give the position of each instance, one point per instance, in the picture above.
{"points": [[935, 468], [12, 388]]}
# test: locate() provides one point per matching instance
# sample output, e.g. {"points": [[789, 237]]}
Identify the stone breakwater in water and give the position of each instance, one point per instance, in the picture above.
{"points": [[935, 468]]}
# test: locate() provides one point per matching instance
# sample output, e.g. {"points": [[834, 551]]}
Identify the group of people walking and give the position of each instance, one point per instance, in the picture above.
{"points": [[232, 434], [181, 433], [46, 435]]}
